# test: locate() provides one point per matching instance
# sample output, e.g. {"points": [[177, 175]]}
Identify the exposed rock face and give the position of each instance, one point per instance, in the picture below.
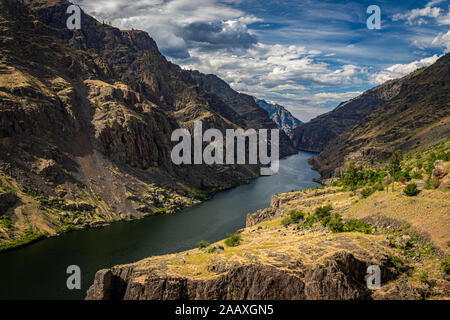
{"points": [[247, 282], [340, 277], [7, 200], [274, 261], [406, 113], [254, 117], [259, 216], [282, 117], [316, 134], [441, 169], [50, 170], [441, 174], [90, 114]]}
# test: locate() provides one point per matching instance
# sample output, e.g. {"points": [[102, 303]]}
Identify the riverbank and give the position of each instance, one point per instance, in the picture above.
{"points": [[29, 237], [287, 252], [38, 271]]}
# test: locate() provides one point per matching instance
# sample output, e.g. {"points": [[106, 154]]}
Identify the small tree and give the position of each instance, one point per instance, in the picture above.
{"points": [[351, 176], [335, 224], [203, 244], [445, 265], [233, 240], [394, 165], [411, 190]]}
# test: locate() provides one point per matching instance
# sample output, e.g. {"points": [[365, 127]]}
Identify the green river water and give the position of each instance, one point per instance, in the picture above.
{"points": [[39, 270]]}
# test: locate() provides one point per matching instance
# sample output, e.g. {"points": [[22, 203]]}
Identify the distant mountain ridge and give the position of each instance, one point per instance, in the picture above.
{"points": [[317, 133], [405, 114], [280, 115], [244, 105], [86, 118]]}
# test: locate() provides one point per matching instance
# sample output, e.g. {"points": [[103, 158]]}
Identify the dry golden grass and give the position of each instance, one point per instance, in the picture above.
{"points": [[428, 213]]}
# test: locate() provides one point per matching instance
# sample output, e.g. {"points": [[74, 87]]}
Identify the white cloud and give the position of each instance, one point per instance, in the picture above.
{"points": [[212, 36], [442, 40], [308, 106], [433, 3], [280, 73], [274, 67], [444, 19], [415, 16], [400, 70], [166, 21]]}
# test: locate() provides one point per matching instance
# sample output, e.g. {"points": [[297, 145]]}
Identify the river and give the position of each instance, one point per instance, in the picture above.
{"points": [[39, 270]]}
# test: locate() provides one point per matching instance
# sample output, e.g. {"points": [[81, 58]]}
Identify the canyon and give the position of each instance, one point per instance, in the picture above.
{"points": [[85, 124]]}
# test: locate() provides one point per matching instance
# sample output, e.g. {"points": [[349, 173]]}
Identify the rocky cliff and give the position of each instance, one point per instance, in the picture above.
{"points": [[282, 117], [86, 118], [408, 113], [279, 260], [415, 118], [253, 115], [316, 134]]}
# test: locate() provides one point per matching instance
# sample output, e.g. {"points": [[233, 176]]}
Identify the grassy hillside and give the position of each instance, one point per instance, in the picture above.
{"points": [[416, 118], [315, 244], [86, 118]]}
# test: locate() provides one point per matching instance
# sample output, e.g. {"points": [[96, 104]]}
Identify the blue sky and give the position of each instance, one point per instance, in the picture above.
{"points": [[306, 55]]}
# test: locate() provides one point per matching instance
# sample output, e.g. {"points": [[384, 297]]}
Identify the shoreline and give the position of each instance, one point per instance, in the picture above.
{"points": [[41, 236]]}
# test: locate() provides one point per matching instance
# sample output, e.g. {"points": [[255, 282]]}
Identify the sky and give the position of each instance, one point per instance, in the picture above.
{"points": [[308, 56]]}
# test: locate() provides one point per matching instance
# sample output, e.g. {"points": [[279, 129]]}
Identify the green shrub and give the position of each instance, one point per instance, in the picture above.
{"points": [[403, 176], [402, 180], [427, 183], [445, 265], [423, 277], [233, 240], [355, 177], [355, 225], [426, 248], [366, 192], [379, 187], [211, 250], [411, 190], [309, 221], [397, 263], [325, 221], [417, 175], [17, 243], [323, 212], [296, 216], [419, 164], [6, 222], [406, 227], [286, 221], [203, 244], [429, 167], [335, 224]]}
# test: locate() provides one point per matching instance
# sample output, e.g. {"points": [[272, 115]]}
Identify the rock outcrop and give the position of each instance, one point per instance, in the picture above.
{"points": [[316, 134], [404, 114], [260, 216], [7, 200], [87, 116], [440, 175], [282, 117], [278, 261], [340, 277]]}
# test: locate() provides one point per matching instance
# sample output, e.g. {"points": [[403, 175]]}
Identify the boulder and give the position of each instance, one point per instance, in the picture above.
{"points": [[49, 170], [7, 200], [441, 169], [440, 174]]}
